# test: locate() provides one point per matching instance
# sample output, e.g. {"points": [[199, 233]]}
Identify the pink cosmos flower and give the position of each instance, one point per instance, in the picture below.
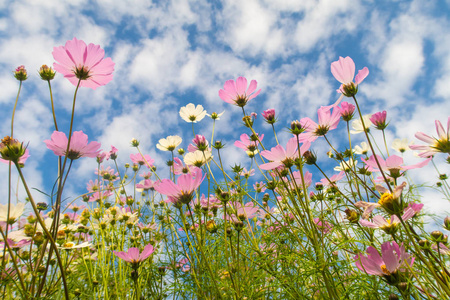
{"points": [[269, 116], [139, 159], [392, 164], [435, 145], [390, 226], [344, 71], [199, 143], [323, 226], [379, 120], [327, 121], [393, 259], [183, 191], [146, 185], [21, 160], [247, 143], [180, 168], [79, 146], [236, 93], [347, 110], [76, 62], [241, 212], [133, 256], [333, 179], [281, 157]]}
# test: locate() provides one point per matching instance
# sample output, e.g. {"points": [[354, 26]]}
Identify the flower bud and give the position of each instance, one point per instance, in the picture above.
{"points": [[21, 73], [437, 236], [296, 127], [310, 157], [11, 149], [46, 73]]}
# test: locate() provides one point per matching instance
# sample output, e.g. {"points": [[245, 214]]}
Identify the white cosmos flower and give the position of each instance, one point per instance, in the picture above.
{"points": [[169, 143], [192, 113], [215, 116], [345, 166], [362, 149], [15, 211], [357, 125], [71, 245], [401, 145], [197, 158]]}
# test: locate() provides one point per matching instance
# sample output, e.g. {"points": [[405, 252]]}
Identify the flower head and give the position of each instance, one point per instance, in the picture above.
{"points": [[235, 92], [280, 157], [379, 120], [362, 149], [15, 211], [344, 71], [393, 260], [141, 160], [21, 73], [169, 143], [84, 64], [46, 73], [183, 191], [79, 146], [347, 110], [358, 127], [215, 116], [192, 113], [327, 121], [197, 158], [13, 150], [269, 116], [393, 164], [400, 145], [133, 256], [435, 145]]}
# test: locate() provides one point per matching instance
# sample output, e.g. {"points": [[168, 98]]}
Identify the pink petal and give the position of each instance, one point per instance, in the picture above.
{"points": [[362, 74], [241, 85], [343, 70]]}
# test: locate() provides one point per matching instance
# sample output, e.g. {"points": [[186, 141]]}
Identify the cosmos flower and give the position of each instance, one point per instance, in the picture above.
{"points": [[362, 149], [346, 165], [247, 143], [327, 121], [15, 211], [280, 157], [133, 256], [140, 159], [358, 127], [269, 116], [169, 143], [236, 93], [191, 113], [393, 164], [435, 145], [347, 110], [79, 146], [183, 190], [76, 62], [379, 120], [197, 158], [344, 71], [393, 259], [400, 145]]}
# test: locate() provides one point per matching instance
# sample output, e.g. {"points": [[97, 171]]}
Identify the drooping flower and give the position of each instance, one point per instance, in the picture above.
{"points": [[435, 145], [393, 260], [327, 121], [344, 71], [169, 143], [191, 113], [379, 120], [76, 62], [79, 146], [183, 191], [280, 157], [393, 164], [237, 93], [133, 256]]}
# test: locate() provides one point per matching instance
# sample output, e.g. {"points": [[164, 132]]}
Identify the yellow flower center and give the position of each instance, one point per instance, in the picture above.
{"points": [[386, 198], [385, 270]]}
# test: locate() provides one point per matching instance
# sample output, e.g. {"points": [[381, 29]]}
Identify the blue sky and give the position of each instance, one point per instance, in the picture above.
{"points": [[170, 53]]}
